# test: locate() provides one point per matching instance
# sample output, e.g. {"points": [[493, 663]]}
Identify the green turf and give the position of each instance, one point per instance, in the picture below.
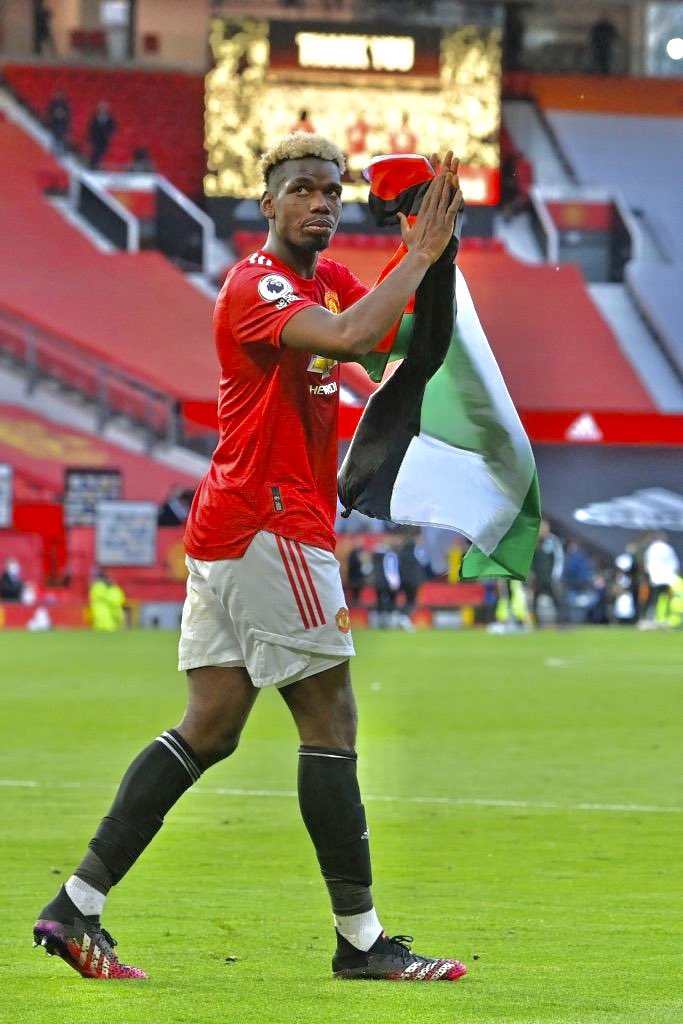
{"points": [[563, 912]]}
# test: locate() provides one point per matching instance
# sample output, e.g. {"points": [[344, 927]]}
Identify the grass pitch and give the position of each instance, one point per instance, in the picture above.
{"points": [[525, 807]]}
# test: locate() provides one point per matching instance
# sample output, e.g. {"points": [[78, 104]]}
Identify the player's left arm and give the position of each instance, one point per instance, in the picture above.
{"points": [[356, 330]]}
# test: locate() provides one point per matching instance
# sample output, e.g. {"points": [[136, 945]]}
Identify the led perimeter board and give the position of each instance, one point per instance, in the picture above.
{"points": [[371, 87]]}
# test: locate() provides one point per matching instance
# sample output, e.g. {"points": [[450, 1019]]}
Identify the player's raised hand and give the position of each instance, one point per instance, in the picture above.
{"points": [[433, 226]]}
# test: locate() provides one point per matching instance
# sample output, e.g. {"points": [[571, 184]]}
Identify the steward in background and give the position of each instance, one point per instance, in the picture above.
{"points": [[547, 568], [107, 602]]}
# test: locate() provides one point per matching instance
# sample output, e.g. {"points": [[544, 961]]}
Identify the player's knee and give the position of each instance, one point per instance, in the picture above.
{"points": [[345, 724], [346, 732], [339, 732], [219, 746], [211, 745]]}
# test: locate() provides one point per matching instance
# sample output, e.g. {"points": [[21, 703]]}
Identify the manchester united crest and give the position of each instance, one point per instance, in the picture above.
{"points": [[343, 620], [332, 302]]}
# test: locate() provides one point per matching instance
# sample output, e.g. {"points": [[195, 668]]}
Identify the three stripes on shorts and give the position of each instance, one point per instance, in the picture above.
{"points": [[301, 582]]}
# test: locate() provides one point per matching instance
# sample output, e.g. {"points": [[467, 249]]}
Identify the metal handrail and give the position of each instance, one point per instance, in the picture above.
{"points": [[81, 180], [207, 226], [43, 353]]}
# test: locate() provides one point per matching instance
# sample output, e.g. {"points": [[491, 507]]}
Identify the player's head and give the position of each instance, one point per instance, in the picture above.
{"points": [[302, 200]]}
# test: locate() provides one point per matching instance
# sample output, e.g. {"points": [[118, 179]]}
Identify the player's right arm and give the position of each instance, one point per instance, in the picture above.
{"points": [[349, 335]]}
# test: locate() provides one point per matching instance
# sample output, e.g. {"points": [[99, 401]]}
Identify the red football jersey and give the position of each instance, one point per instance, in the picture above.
{"points": [[275, 467]]}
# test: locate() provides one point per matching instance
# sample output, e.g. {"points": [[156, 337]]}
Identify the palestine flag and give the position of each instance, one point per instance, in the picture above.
{"points": [[440, 442]]}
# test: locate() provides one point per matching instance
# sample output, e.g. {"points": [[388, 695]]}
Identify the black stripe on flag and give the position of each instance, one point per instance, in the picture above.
{"points": [[391, 418]]}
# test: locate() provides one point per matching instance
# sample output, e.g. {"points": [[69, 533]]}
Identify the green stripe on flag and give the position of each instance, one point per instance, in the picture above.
{"points": [[510, 560], [457, 409], [375, 363], [470, 468]]}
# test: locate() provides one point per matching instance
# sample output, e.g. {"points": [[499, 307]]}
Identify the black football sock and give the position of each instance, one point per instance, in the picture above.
{"points": [[331, 807], [155, 780]]}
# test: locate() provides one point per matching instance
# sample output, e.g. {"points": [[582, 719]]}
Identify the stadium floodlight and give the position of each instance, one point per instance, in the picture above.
{"points": [[674, 48]]}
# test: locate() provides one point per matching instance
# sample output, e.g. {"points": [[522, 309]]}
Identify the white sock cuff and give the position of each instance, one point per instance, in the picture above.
{"points": [[89, 901], [361, 930]]}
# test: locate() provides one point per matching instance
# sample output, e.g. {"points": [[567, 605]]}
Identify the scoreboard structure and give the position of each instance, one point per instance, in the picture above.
{"points": [[373, 88]]}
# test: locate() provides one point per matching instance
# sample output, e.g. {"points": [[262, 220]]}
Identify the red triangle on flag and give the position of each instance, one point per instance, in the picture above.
{"points": [[390, 175]]}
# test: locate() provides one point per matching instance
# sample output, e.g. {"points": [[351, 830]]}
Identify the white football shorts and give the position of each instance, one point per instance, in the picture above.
{"points": [[279, 611]]}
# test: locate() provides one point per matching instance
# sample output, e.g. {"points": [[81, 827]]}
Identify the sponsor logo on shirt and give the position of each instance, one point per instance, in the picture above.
{"points": [[274, 286], [321, 365], [323, 389], [287, 300]]}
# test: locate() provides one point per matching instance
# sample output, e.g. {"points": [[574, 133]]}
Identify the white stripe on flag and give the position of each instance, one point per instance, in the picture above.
{"points": [[462, 490]]}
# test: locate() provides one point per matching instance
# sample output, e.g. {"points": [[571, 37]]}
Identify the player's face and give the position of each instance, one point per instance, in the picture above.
{"points": [[306, 203]]}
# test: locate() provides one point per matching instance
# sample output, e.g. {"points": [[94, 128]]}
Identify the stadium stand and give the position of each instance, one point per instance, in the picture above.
{"points": [[161, 111], [133, 312], [149, 322], [656, 290], [595, 121], [600, 150], [598, 94], [514, 301], [569, 357], [39, 450]]}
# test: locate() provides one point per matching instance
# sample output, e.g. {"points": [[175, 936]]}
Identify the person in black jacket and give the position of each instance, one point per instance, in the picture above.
{"points": [[11, 581], [59, 122], [100, 130], [42, 28], [547, 568], [411, 571]]}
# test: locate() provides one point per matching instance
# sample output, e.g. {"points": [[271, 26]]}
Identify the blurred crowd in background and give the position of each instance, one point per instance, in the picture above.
{"points": [[568, 583], [384, 567]]}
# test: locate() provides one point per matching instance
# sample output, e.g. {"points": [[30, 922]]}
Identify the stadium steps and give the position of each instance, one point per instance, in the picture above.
{"points": [[639, 346], [602, 152], [162, 111], [651, 249], [220, 252], [546, 137], [74, 220], [67, 409], [531, 134], [518, 237], [135, 313]]}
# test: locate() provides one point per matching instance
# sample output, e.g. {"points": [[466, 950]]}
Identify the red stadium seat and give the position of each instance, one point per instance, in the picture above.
{"points": [[97, 41], [78, 39], [150, 42], [163, 111]]}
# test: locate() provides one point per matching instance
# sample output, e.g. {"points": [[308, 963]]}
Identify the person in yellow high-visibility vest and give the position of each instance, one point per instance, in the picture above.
{"points": [[674, 617], [512, 608], [107, 601]]}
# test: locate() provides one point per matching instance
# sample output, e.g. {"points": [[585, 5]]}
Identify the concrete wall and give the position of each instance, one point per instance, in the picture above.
{"points": [[182, 27], [16, 26]]}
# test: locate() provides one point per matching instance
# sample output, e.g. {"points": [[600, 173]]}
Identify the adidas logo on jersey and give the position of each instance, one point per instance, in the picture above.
{"points": [[323, 389]]}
